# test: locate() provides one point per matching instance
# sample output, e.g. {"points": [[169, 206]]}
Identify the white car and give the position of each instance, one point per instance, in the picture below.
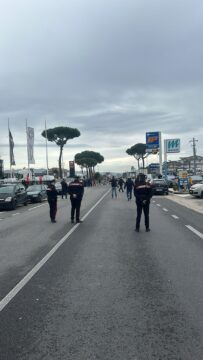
{"points": [[197, 190]]}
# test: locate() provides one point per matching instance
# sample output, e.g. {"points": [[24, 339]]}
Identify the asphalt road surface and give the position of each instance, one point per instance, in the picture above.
{"points": [[99, 290]]}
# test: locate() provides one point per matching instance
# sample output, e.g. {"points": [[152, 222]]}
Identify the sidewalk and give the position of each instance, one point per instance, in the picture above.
{"points": [[187, 200]]}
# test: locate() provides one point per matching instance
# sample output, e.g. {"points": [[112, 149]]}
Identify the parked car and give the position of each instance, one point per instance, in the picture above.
{"points": [[12, 195], [159, 186], [37, 193], [197, 190]]}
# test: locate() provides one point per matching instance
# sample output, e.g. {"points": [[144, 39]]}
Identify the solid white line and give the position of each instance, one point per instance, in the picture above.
{"points": [[175, 216], [164, 209], [35, 207], [196, 232], [37, 267]]}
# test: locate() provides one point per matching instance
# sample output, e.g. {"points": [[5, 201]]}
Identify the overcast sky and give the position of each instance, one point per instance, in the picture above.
{"points": [[114, 69]]}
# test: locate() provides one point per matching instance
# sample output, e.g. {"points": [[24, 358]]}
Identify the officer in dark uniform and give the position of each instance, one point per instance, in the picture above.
{"points": [[143, 194], [52, 200], [76, 191]]}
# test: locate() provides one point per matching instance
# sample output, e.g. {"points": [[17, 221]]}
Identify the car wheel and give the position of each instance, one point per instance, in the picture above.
{"points": [[201, 195], [25, 203], [40, 198], [167, 193]]}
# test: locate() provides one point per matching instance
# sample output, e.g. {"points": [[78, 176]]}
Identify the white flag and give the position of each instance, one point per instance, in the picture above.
{"points": [[30, 145]]}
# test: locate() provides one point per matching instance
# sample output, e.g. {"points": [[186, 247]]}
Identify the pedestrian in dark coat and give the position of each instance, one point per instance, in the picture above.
{"points": [[76, 191], [129, 184], [52, 200], [64, 190], [121, 182], [143, 194], [114, 185]]}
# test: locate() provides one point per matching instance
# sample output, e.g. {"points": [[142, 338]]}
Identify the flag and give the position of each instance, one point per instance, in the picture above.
{"points": [[30, 145], [11, 146]]}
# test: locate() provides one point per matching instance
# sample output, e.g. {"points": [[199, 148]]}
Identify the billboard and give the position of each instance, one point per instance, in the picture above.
{"points": [[152, 141], [172, 145]]}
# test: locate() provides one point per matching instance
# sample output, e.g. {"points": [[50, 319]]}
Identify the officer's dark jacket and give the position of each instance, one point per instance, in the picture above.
{"points": [[51, 192], [76, 188], [142, 191]]}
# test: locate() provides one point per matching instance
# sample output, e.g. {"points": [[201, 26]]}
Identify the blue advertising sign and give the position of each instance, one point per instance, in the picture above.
{"points": [[152, 140]]}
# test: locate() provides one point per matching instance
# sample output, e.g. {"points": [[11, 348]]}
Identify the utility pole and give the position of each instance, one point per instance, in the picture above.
{"points": [[193, 141]]}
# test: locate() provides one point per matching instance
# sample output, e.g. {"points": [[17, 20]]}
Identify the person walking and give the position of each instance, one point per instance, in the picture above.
{"points": [[143, 194], [52, 200], [121, 182], [76, 191], [64, 190], [114, 185], [129, 184]]}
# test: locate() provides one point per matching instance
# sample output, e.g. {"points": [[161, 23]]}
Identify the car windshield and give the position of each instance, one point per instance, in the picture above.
{"points": [[6, 189], [34, 188]]}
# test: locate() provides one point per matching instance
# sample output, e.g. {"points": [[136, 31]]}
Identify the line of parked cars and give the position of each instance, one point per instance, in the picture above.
{"points": [[12, 195]]}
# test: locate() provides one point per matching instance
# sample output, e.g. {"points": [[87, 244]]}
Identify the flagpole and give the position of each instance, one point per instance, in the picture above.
{"points": [[46, 147], [9, 147], [28, 164]]}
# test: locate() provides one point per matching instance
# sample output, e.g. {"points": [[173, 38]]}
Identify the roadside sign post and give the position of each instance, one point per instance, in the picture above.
{"points": [[153, 143]]}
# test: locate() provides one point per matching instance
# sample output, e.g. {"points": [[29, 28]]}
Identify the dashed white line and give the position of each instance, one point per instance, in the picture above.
{"points": [[175, 217], [158, 204], [164, 209], [35, 207], [196, 232], [15, 214]]}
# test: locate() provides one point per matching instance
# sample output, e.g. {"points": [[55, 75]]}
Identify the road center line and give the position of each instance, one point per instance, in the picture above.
{"points": [[35, 207], [5, 301], [175, 217], [196, 232]]}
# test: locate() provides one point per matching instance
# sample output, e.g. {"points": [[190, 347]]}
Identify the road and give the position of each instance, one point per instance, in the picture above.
{"points": [[99, 290]]}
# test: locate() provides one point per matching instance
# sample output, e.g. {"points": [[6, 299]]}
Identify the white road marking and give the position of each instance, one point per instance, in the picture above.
{"points": [[1, 219], [35, 207], [196, 232], [5, 301], [164, 209], [158, 205], [15, 214], [175, 217]]}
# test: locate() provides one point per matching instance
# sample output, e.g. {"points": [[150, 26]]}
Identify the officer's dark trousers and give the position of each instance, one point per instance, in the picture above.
{"points": [[145, 208], [53, 208], [75, 207]]}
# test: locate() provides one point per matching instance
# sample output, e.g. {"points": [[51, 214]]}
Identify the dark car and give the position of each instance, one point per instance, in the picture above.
{"points": [[159, 186], [12, 195], [37, 193]]}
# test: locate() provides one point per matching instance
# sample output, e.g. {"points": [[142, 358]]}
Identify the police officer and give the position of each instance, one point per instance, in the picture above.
{"points": [[52, 200], [143, 194], [76, 191]]}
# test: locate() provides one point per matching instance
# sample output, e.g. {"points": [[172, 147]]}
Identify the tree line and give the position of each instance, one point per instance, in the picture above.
{"points": [[88, 159]]}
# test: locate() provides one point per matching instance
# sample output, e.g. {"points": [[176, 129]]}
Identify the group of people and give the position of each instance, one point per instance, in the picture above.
{"points": [[142, 192], [75, 189]]}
